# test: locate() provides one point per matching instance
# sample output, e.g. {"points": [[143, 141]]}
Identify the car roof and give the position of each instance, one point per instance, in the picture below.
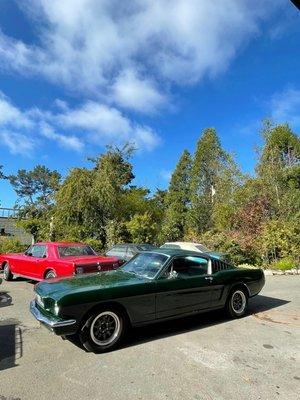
{"points": [[183, 243], [62, 243], [179, 252], [132, 244]]}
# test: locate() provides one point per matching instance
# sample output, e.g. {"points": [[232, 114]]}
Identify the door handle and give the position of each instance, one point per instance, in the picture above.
{"points": [[209, 278]]}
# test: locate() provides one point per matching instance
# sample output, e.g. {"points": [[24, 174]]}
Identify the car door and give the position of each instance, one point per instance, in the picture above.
{"points": [[35, 261], [184, 288]]}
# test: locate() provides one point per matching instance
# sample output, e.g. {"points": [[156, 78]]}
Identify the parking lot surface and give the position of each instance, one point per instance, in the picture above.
{"points": [[203, 357]]}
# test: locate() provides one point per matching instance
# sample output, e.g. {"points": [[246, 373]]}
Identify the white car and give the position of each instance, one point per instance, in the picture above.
{"points": [[200, 248]]}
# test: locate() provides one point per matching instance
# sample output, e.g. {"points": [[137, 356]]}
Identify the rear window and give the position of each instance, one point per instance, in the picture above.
{"points": [[170, 246], [68, 251]]}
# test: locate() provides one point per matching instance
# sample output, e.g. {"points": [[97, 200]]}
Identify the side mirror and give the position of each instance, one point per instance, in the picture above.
{"points": [[44, 256]]}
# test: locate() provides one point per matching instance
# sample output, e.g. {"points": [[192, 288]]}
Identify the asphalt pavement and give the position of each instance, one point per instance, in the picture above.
{"points": [[201, 358]]}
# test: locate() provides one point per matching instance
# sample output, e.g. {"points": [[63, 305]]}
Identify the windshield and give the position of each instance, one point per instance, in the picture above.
{"points": [[145, 264], [73, 250]]}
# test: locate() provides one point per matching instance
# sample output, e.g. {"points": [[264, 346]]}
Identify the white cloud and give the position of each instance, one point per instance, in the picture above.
{"points": [[21, 130], [109, 49], [130, 91], [72, 128], [16, 142], [285, 107]]}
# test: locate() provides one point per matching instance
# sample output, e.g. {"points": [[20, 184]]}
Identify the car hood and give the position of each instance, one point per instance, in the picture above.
{"points": [[59, 287]]}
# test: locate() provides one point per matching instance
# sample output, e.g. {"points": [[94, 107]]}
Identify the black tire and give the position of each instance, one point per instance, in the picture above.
{"points": [[7, 275], [103, 330], [237, 303], [50, 274]]}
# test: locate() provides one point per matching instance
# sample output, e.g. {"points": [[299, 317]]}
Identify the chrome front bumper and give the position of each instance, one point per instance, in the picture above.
{"points": [[52, 323]]}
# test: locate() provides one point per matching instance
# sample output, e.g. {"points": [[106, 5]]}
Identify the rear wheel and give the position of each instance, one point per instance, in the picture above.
{"points": [[7, 275], [50, 274], [103, 330], [237, 303]]}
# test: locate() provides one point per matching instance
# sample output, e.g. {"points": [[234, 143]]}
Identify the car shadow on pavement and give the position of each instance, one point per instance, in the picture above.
{"points": [[11, 344], [196, 322], [160, 330], [5, 299]]}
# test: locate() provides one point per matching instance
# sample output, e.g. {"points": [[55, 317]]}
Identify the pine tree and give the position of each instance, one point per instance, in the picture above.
{"points": [[214, 176], [177, 200]]}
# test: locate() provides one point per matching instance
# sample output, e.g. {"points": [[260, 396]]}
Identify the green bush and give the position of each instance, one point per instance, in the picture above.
{"points": [[284, 264], [8, 245], [247, 266], [95, 244]]}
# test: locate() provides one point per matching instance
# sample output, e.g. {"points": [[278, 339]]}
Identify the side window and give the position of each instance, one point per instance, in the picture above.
{"points": [[38, 251], [131, 252], [190, 266], [118, 251]]}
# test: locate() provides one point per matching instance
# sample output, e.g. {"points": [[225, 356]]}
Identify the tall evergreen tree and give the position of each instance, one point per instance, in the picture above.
{"points": [[214, 176], [278, 166], [177, 200]]}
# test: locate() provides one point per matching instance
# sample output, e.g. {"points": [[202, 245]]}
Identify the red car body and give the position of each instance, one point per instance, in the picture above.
{"points": [[35, 264]]}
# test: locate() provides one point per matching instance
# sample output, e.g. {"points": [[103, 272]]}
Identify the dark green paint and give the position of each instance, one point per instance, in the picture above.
{"points": [[144, 299]]}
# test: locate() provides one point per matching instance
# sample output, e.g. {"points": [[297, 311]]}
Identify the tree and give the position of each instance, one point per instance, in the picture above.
{"points": [[75, 213], [214, 177], [90, 203], [143, 228], [35, 190], [177, 200], [279, 164]]}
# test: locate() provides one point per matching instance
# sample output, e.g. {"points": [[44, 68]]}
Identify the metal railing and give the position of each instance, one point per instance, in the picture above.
{"points": [[8, 212]]}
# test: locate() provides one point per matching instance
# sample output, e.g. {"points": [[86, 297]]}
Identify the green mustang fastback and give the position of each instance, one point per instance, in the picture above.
{"points": [[153, 286]]}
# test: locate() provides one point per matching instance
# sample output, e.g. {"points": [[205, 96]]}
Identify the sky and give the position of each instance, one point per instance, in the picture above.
{"points": [[78, 75]]}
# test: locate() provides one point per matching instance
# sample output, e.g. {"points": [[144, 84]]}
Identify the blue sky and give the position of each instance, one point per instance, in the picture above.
{"points": [[78, 75]]}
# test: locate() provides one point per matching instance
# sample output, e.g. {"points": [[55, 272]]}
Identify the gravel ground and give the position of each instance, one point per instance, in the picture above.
{"points": [[204, 357]]}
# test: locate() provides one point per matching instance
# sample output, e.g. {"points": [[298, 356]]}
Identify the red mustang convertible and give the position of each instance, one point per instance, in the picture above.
{"points": [[55, 259]]}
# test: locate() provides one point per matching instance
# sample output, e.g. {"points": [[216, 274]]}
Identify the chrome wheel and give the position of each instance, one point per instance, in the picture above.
{"points": [[105, 328], [238, 301], [7, 275], [50, 274]]}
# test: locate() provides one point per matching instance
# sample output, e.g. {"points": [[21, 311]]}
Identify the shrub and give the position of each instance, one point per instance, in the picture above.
{"points": [[8, 245], [95, 244], [247, 266], [284, 264]]}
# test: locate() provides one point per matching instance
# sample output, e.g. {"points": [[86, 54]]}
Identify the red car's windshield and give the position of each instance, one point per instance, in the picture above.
{"points": [[73, 250]]}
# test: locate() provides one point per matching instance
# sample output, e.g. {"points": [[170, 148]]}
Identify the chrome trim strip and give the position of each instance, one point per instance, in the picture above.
{"points": [[48, 321]]}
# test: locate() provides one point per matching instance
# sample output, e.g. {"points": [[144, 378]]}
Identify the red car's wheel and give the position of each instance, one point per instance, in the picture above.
{"points": [[50, 274], [7, 275]]}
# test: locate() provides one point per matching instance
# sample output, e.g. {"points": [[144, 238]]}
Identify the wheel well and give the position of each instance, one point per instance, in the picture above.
{"points": [[2, 264], [111, 304], [48, 270], [242, 286]]}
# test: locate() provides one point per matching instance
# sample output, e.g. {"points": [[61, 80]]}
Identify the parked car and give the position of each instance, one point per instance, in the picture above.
{"points": [[55, 259], [153, 286], [125, 251], [193, 247]]}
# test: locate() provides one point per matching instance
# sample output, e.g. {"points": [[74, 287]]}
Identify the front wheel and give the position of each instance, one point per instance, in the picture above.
{"points": [[103, 330], [7, 275], [237, 303]]}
